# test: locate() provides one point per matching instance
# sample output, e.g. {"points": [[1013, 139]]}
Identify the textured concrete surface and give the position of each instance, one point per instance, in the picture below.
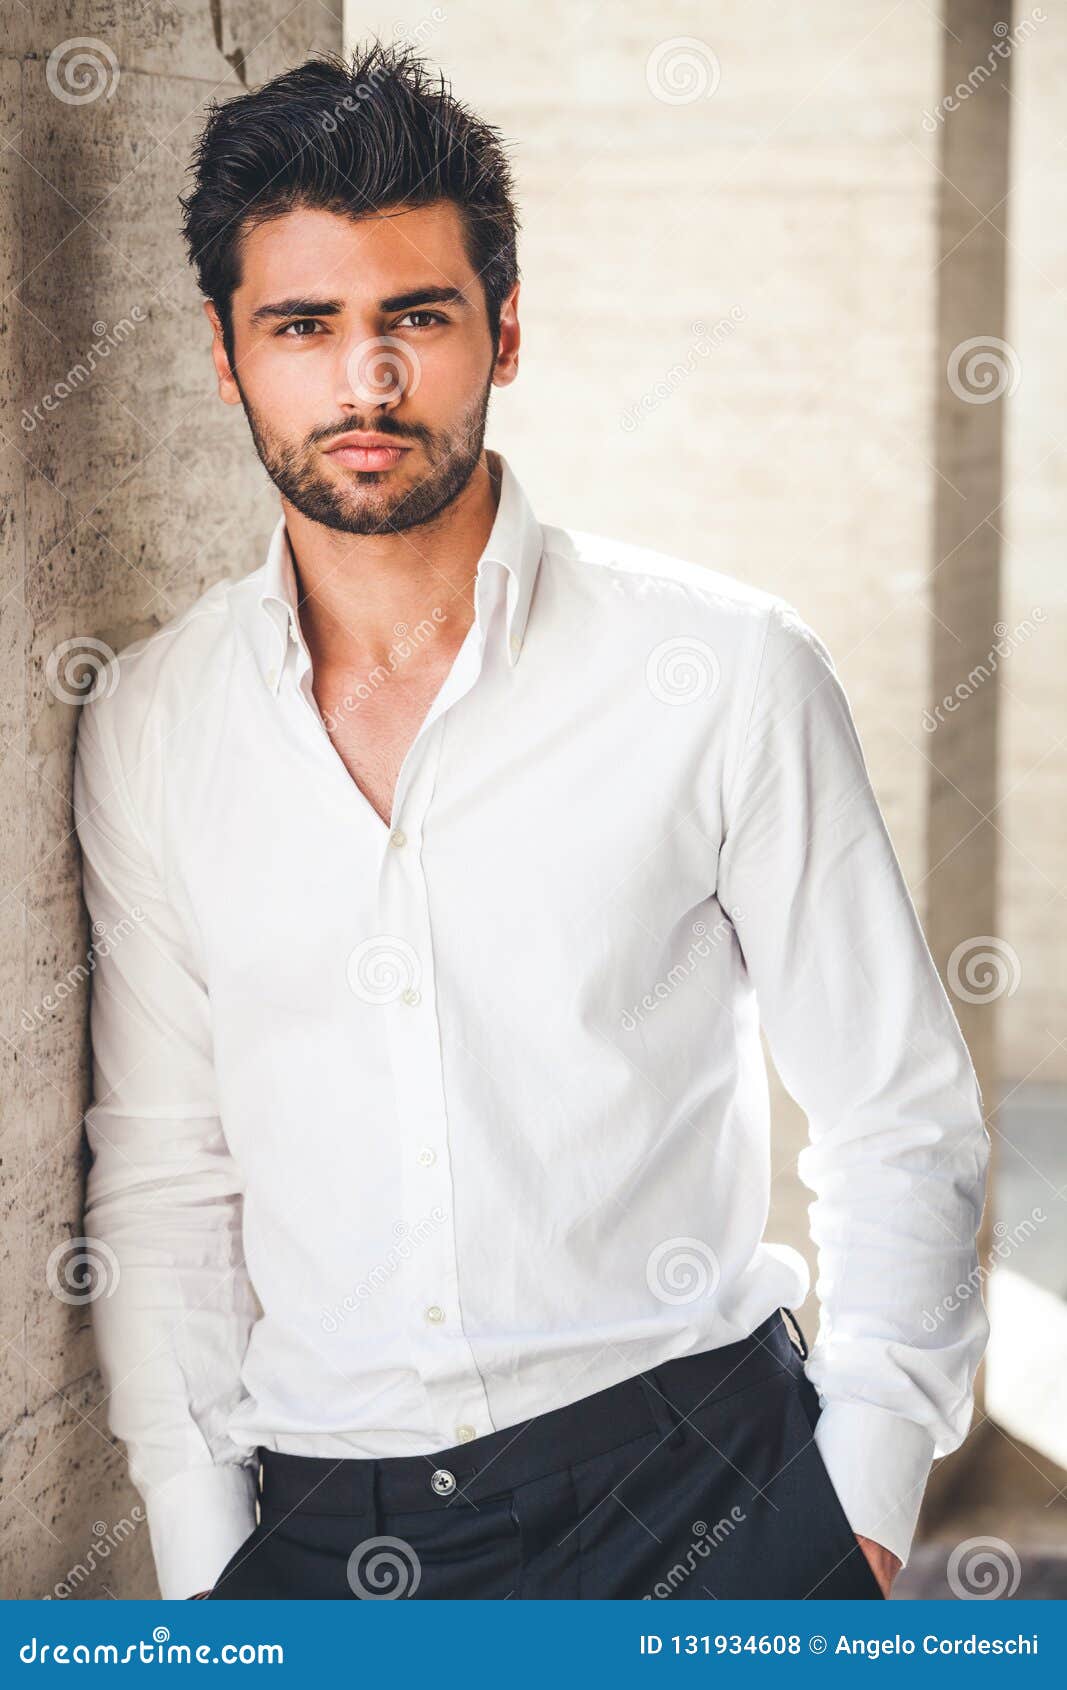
{"points": [[112, 517]]}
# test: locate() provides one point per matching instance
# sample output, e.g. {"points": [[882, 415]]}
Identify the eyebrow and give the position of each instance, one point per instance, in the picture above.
{"points": [[281, 308]]}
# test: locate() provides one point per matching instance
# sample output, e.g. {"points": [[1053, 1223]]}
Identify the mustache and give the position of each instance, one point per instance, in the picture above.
{"points": [[380, 425]]}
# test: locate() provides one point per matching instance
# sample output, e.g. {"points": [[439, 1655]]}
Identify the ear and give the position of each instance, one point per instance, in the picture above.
{"points": [[229, 392], [506, 367]]}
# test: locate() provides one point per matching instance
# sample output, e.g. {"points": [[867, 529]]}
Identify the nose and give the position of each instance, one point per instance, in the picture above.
{"points": [[377, 373]]}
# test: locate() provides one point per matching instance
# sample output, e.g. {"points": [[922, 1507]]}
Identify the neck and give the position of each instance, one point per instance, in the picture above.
{"points": [[355, 589]]}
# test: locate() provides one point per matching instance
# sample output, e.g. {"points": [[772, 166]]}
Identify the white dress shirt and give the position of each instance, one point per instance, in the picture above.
{"points": [[403, 1134]]}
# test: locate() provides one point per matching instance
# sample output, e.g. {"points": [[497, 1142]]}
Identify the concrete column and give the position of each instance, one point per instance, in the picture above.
{"points": [[125, 490]]}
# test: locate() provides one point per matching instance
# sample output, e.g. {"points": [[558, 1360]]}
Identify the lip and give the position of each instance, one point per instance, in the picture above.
{"points": [[366, 451]]}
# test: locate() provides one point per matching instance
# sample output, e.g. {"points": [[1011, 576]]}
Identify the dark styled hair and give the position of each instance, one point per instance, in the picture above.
{"points": [[355, 138]]}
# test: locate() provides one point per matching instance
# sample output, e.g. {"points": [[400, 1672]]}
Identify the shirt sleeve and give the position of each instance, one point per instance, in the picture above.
{"points": [[163, 1202], [866, 1041]]}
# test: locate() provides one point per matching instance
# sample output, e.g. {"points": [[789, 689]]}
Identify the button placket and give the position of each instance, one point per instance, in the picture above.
{"points": [[444, 1358]]}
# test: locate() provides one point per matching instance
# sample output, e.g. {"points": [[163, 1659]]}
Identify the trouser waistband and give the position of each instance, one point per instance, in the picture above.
{"points": [[659, 1399]]}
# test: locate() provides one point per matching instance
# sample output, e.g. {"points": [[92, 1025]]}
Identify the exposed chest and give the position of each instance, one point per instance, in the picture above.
{"points": [[372, 730]]}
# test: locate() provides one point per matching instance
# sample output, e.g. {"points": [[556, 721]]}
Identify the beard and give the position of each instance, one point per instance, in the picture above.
{"points": [[368, 504]]}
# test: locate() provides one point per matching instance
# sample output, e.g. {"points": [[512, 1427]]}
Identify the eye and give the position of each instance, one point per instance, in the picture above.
{"points": [[434, 318], [300, 323]]}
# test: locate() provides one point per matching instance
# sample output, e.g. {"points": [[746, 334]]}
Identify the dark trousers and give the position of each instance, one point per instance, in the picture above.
{"points": [[697, 1479]]}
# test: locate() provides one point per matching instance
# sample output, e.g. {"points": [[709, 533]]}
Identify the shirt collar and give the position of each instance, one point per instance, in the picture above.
{"points": [[514, 543]]}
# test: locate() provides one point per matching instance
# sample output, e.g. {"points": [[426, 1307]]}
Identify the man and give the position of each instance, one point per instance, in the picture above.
{"points": [[460, 858]]}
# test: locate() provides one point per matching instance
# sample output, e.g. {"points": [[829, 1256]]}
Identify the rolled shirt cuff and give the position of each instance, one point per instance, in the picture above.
{"points": [[878, 1464], [197, 1521]]}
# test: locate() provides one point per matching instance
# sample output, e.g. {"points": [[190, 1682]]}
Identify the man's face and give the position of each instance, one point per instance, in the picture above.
{"points": [[376, 326]]}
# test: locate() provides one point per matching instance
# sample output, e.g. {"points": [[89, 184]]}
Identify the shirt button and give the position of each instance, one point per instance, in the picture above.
{"points": [[464, 1434], [272, 676], [435, 1314], [515, 644], [398, 838], [426, 1157], [412, 995]]}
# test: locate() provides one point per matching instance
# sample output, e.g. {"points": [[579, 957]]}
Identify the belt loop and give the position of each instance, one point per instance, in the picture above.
{"points": [[792, 1321], [375, 1501], [667, 1422]]}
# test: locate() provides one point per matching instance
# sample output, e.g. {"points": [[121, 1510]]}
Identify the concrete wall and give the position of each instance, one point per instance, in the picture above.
{"points": [[112, 517]]}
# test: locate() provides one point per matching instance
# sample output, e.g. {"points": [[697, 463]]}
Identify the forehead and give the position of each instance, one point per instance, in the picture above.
{"points": [[307, 251]]}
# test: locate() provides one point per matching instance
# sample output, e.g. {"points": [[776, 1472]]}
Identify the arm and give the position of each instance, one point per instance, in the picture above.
{"points": [[163, 1196], [864, 1038]]}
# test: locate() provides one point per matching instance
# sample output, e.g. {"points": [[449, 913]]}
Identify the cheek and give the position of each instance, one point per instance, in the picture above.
{"points": [[447, 384]]}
